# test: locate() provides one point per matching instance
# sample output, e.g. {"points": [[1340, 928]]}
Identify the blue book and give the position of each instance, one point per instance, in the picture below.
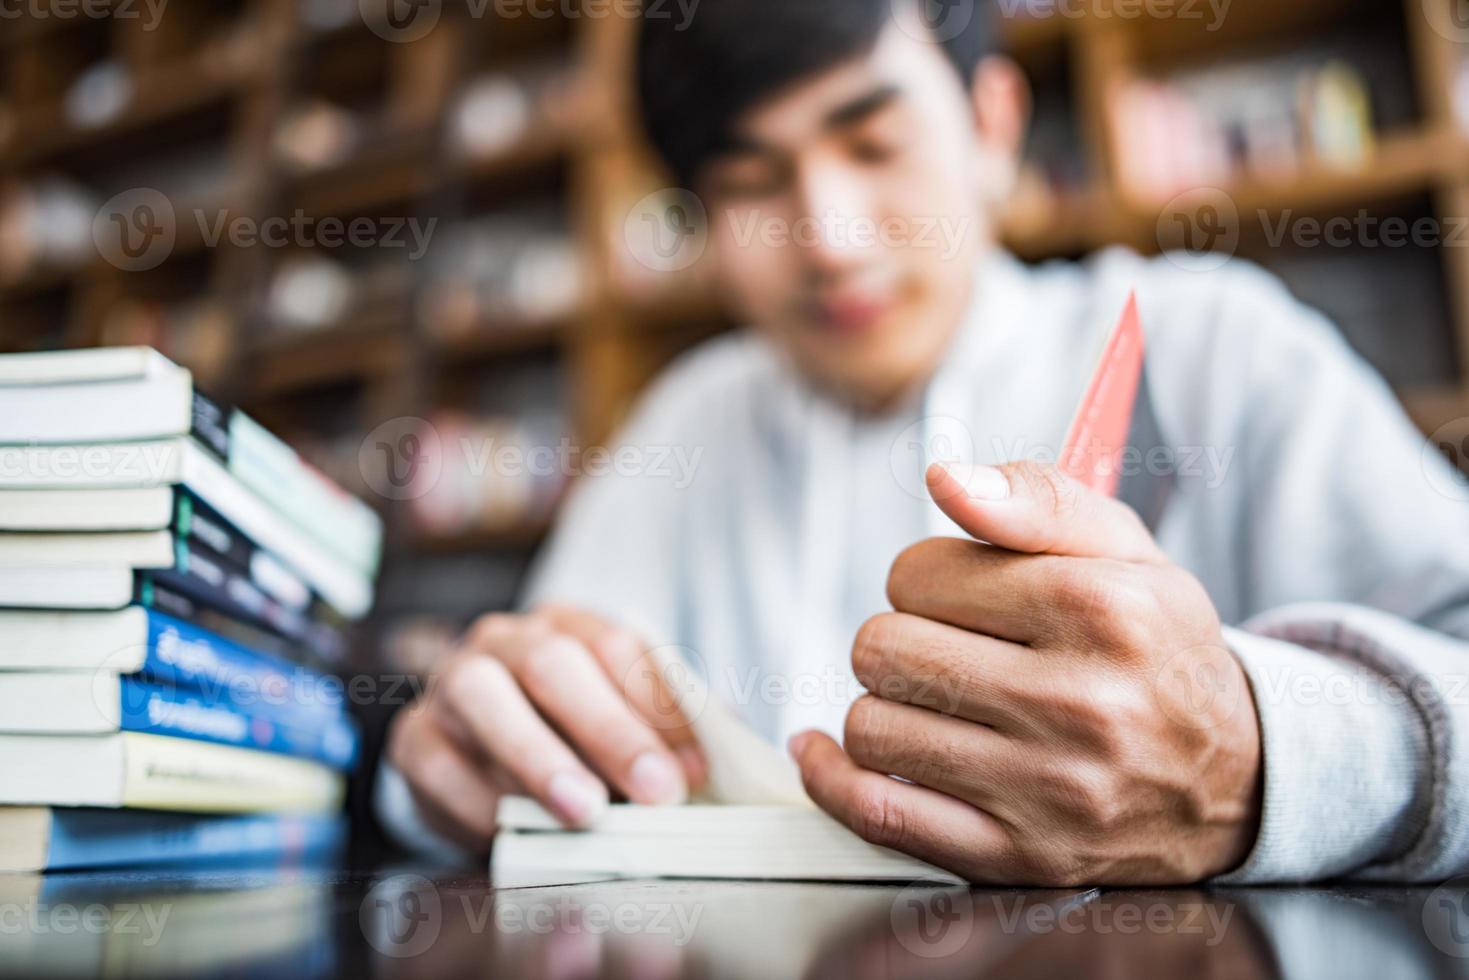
{"points": [[159, 709], [52, 839], [166, 649]]}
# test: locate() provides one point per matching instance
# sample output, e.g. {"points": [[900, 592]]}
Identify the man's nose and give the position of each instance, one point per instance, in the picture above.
{"points": [[834, 222]]}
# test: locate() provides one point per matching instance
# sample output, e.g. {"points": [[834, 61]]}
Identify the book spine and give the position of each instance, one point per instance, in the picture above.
{"points": [[86, 838], [170, 603], [153, 709], [182, 655], [208, 598], [196, 523], [275, 471], [199, 573], [162, 773]]}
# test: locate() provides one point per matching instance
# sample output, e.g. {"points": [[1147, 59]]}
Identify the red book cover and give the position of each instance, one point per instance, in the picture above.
{"points": [[1099, 433]]}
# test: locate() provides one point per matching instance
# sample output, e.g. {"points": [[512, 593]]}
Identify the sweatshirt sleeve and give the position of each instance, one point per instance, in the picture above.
{"points": [[1355, 577]]}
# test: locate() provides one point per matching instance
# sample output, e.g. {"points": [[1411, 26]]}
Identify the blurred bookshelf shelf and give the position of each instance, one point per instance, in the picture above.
{"points": [[540, 152], [489, 340], [520, 538], [1403, 163], [355, 353], [162, 96]]}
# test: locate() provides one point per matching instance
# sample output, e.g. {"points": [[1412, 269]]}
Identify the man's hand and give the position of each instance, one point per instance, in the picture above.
{"points": [[1059, 700], [559, 705]]}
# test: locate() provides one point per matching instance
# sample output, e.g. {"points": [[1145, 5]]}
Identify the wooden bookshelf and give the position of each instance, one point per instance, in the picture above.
{"points": [[389, 364]]}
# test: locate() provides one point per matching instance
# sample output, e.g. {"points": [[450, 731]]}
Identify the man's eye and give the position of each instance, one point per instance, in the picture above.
{"points": [[875, 151], [746, 184]]}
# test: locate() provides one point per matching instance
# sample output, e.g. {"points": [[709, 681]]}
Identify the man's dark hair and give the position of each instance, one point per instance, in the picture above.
{"points": [[695, 77]]}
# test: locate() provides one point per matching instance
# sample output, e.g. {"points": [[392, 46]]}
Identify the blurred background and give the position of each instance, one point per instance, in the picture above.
{"points": [[523, 268]]}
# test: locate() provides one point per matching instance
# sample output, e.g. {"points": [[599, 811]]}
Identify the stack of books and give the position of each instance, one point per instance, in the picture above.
{"points": [[174, 587]]}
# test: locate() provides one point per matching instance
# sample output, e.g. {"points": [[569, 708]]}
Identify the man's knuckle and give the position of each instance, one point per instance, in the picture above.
{"points": [[549, 663], [489, 631], [877, 817], [862, 731], [872, 649]]}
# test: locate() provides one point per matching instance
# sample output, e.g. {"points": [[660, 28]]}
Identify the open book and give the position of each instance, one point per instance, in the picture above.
{"points": [[754, 820]]}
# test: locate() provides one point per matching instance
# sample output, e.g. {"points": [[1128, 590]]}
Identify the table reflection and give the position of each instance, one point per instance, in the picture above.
{"points": [[414, 924]]}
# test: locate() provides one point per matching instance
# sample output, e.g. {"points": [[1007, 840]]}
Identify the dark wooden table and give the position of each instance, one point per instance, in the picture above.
{"points": [[418, 923]]}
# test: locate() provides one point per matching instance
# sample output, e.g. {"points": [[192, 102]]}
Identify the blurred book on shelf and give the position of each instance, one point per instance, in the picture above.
{"points": [[500, 112], [1261, 119], [316, 134], [45, 226], [495, 475], [513, 269]]}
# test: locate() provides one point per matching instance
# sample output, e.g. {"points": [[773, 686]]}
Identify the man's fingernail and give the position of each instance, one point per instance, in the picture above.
{"points": [[797, 743], [655, 779], [577, 798], [983, 482]]}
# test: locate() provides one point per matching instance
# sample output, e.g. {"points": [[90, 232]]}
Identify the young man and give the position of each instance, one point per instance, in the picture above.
{"points": [[1048, 672]]}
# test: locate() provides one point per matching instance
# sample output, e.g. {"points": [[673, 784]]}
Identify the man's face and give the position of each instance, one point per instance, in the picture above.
{"points": [[848, 219]]}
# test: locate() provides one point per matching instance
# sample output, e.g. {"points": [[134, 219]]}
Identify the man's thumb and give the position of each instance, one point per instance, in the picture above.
{"points": [[1037, 509]]}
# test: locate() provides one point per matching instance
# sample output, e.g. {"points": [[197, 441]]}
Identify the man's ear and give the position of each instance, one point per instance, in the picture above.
{"points": [[1000, 101]]}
